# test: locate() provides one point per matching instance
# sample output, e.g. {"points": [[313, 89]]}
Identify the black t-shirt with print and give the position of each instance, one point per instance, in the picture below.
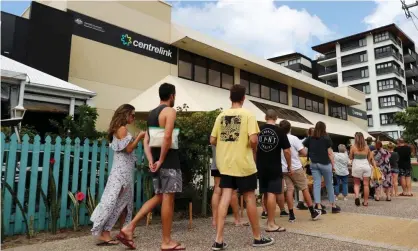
{"points": [[404, 161], [271, 141]]}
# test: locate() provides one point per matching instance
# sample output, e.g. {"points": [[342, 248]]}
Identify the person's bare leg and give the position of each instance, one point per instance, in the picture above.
{"points": [[252, 213], [217, 192], [167, 211], [366, 190], [264, 202], [387, 192], [395, 184], [222, 211], [403, 184], [129, 229], [122, 218], [105, 236], [271, 211], [408, 185], [280, 201], [235, 208], [307, 197], [357, 188]]}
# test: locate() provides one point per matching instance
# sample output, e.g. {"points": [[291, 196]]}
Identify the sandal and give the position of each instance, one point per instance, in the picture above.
{"points": [[111, 242], [365, 205], [388, 199], [175, 248], [402, 194], [126, 242], [279, 230]]}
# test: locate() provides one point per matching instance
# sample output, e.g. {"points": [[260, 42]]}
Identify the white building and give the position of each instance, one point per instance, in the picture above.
{"points": [[373, 62]]}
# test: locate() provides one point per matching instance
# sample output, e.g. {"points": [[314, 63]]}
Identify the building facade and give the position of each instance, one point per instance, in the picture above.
{"points": [[297, 62], [109, 53], [379, 62]]}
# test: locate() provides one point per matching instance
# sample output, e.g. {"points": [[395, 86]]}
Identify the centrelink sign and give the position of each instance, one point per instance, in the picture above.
{"points": [[99, 31]]}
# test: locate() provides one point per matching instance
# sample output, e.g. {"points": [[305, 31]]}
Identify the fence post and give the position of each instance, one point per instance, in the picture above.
{"points": [[85, 170], [10, 178], [93, 170], [34, 178], [57, 158], [76, 164], [22, 182], [102, 168], [44, 184], [65, 179]]}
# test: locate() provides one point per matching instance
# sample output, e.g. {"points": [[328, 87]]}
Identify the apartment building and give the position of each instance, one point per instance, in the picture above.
{"points": [[382, 63], [297, 62], [100, 46]]}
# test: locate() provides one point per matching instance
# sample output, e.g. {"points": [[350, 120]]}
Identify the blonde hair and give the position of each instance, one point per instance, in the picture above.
{"points": [[359, 141]]}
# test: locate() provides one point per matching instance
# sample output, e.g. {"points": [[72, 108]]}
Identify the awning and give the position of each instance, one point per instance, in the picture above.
{"points": [[201, 97]]}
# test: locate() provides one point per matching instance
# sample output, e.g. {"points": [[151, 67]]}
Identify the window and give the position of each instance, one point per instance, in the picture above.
{"points": [[263, 88], [405, 103], [365, 87], [307, 101], [390, 101], [362, 42], [388, 84], [282, 63], [387, 119], [368, 104], [381, 37], [185, 65], [403, 88], [354, 58], [355, 74], [363, 57], [294, 61], [370, 120], [388, 67], [337, 110], [204, 70], [393, 134]]}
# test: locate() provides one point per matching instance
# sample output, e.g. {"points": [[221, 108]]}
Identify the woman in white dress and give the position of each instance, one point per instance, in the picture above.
{"points": [[117, 199]]}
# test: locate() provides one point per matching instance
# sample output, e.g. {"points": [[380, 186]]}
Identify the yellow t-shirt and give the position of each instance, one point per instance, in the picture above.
{"points": [[234, 156]]}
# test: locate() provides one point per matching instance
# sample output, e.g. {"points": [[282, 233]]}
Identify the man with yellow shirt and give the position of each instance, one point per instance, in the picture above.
{"points": [[235, 136]]}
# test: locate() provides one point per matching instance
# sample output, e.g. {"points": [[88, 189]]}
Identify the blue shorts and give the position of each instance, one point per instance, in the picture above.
{"points": [[394, 171]]}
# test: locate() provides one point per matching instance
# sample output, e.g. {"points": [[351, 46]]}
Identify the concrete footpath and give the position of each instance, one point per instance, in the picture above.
{"points": [[381, 226]]}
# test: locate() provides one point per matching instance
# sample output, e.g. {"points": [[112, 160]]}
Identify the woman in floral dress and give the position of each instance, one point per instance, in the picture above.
{"points": [[382, 159], [117, 199]]}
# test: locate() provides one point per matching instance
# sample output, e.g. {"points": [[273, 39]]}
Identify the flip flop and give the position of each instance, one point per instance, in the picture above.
{"points": [[245, 224], [175, 248], [108, 243], [279, 230], [126, 242], [402, 194], [365, 205]]}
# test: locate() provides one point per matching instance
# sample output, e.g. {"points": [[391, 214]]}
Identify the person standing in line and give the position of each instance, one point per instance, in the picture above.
{"points": [[296, 176], [235, 136], [304, 160], [117, 199], [164, 163], [271, 141], [217, 192], [280, 199], [382, 160], [393, 160], [369, 141], [322, 164], [341, 171], [362, 159], [405, 167]]}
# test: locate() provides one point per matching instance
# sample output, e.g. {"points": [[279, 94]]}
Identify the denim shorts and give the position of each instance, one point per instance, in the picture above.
{"points": [[394, 171]]}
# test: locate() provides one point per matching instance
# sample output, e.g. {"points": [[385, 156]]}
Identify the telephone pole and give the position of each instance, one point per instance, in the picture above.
{"points": [[406, 7]]}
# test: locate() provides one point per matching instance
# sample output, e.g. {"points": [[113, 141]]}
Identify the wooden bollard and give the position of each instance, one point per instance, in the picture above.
{"points": [[190, 214]]}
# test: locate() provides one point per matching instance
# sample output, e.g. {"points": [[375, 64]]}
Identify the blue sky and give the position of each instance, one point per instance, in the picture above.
{"points": [[324, 20]]}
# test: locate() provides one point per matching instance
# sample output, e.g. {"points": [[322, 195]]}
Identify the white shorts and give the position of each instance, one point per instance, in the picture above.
{"points": [[361, 168]]}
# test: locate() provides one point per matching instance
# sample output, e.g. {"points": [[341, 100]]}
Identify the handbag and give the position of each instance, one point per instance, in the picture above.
{"points": [[156, 137]]}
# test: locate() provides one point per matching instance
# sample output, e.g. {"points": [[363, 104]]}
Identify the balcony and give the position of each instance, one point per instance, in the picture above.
{"points": [[410, 56], [328, 59], [411, 71], [327, 70], [394, 69], [412, 102], [331, 82], [391, 53], [412, 84]]}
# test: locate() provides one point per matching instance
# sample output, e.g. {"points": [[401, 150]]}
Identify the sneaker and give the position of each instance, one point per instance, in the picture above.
{"points": [[345, 198], [219, 246], [316, 214], [264, 241], [292, 218], [284, 213], [323, 211], [336, 197], [336, 210], [301, 206], [264, 215]]}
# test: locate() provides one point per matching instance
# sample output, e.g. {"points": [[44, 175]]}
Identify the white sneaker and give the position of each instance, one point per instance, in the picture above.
{"points": [[336, 198], [345, 198]]}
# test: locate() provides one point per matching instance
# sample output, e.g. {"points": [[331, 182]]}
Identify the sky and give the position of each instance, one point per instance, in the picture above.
{"points": [[268, 28]]}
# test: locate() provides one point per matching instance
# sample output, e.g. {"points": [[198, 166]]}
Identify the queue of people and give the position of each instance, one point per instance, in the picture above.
{"points": [[245, 156]]}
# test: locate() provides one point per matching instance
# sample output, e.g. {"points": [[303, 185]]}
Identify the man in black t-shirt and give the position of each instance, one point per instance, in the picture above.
{"points": [[271, 140], [405, 167]]}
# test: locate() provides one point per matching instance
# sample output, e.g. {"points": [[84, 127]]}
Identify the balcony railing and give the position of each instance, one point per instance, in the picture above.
{"points": [[327, 56], [411, 71], [333, 83], [390, 53], [397, 70], [411, 56], [327, 70]]}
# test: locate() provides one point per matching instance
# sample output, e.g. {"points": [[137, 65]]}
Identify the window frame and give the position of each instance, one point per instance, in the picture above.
{"points": [[335, 107], [370, 119], [301, 98]]}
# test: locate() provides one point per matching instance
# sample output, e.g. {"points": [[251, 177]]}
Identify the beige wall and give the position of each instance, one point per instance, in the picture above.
{"points": [[116, 75]]}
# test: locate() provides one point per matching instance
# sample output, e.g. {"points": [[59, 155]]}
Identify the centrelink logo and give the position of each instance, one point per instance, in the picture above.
{"points": [[126, 39], [78, 21]]}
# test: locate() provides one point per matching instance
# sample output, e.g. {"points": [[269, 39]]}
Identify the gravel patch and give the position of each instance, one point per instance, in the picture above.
{"points": [[201, 237]]}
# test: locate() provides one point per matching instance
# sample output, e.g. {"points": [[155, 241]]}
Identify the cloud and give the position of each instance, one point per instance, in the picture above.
{"points": [[261, 27], [387, 12]]}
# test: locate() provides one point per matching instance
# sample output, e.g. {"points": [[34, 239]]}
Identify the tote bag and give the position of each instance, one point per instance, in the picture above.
{"points": [[156, 137]]}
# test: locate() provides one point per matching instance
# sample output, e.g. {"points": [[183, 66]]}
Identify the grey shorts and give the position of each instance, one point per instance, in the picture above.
{"points": [[167, 181]]}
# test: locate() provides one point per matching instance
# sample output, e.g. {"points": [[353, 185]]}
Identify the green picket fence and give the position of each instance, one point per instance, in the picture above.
{"points": [[79, 167]]}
